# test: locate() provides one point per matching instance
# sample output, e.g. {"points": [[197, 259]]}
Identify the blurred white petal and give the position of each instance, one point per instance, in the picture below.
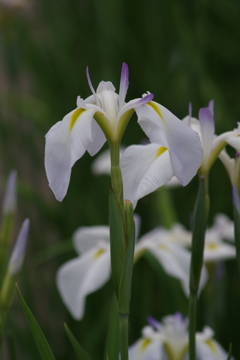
{"points": [[85, 238], [82, 276]]}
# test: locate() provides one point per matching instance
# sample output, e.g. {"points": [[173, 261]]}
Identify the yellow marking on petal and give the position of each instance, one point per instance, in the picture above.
{"points": [[160, 151], [212, 246], [211, 344], [99, 253], [75, 116], [156, 108], [163, 247], [145, 344]]}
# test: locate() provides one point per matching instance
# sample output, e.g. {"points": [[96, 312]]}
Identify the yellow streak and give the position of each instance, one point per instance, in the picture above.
{"points": [[75, 116], [156, 108], [211, 345], [145, 344], [212, 246], [160, 151], [99, 253]]}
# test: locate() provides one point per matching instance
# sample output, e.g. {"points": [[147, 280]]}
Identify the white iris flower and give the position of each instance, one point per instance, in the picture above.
{"points": [[79, 131], [91, 270], [169, 340]]}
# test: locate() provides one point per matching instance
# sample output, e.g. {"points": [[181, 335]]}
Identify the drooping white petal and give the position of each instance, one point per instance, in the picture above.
{"points": [[98, 139], [10, 200], [18, 253], [234, 142], [124, 82], [144, 169], [146, 349], [229, 164], [207, 129], [207, 347], [133, 104], [86, 238], [165, 129], [82, 276], [66, 142]]}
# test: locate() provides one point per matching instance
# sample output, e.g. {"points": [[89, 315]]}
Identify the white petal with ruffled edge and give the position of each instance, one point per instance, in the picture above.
{"points": [[207, 347], [144, 169], [66, 142], [146, 349], [85, 238], [82, 276], [165, 129]]}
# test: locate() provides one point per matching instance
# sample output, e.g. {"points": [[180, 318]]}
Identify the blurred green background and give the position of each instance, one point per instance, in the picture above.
{"points": [[182, 52]]}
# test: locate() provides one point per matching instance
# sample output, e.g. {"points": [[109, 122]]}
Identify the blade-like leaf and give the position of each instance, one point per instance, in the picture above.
{"points": [[229, 352], [82, 355], [117, 240], [112, 343], [198, 237], [126, 278], [40, 340]]}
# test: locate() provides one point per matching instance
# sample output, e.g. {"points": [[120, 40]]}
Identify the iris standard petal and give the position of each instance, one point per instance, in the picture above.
{"points": [[124, 82], [82, 276], [85, 238], [144, 169], [165, 129], [66, 142], [207, 129]]}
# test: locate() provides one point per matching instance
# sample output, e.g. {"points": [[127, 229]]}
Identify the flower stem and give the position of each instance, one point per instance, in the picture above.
{"points": [[192, 324], [123, 335], [200, 216]]}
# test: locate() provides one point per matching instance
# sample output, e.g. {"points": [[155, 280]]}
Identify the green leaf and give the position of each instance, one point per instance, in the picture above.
{"points": [[40, 340], [117, 240], [126, 277], [229, 352], [198, 236], [82, 355], [112, 343]]}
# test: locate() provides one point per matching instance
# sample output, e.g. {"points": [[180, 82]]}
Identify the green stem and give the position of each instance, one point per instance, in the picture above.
{"points": [[123, 335], [192, 324]]}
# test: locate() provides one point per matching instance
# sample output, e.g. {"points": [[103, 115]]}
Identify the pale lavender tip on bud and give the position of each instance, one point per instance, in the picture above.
{"points": [[236, 199], [10, 199], [237, 154], [211, 106], [189, 114], [124, 82], [153, 322], [18, 253]]}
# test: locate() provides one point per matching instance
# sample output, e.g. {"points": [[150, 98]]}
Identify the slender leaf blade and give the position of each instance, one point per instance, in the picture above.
{"points": [[82, 355], [40, 340]]}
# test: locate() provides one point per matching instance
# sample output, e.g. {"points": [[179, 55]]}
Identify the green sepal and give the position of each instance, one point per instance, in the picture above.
{"points": [[112, 343], [126, 277], [198, 236], [229, 352], [237, 236], [82, 355], [117, 240], [40, 340]]}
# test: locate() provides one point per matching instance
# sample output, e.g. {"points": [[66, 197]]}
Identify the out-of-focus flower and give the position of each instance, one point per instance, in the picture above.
{"points": [[169, 340], [81, 276], [212, 144], [175, 150], [10, 200], [104, 115], [18, 253], [215, 248]]}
